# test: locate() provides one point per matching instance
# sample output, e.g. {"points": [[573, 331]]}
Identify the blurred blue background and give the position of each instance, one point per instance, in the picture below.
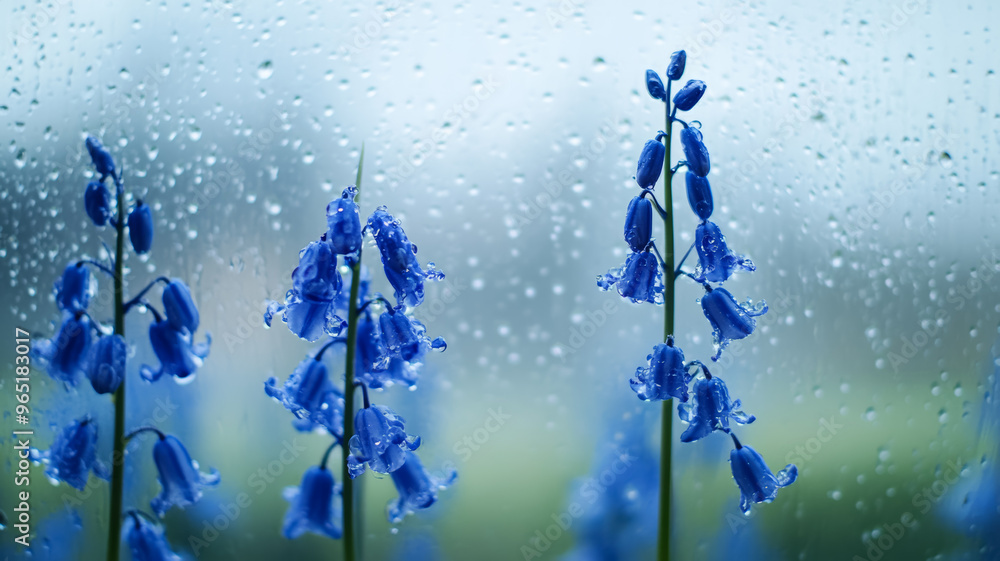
{"points": [[855, 159]]}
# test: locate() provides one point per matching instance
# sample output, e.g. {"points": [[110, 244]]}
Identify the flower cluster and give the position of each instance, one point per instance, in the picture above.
{"points": [[388, 347], [640, 279]]}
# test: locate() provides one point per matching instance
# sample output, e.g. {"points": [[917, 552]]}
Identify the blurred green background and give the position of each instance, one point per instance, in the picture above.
{"points": [[854, 152]]}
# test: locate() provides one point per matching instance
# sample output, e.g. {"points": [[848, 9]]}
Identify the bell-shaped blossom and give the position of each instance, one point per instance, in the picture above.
{"points": [[639, 223], [102, 159], [647, 171], [73, 288], [730, 320], [689, 95], [73, 455], [399, 259], [146, 540], [106, 367], [310, 308], [182, 314], [310, 395], [756, 482], [314, 506], [640, 279], [695, 152], [97, 202], [711, 410], [676, 68], [344, 223], [401, 336], [716, 262], [179, 356], [179, 476], [654, 85], [664, 376], [140, 227], [380, 439], [65, 355], [417, 488], [699, 195]]}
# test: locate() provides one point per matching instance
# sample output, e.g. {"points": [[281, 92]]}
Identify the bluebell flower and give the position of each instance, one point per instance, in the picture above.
{"points": [[699, 195], [311, 397], [73, 288], [140, 227], [665, 375], [676, 68], [344, 222], [181, 312], [311, 305], [369, 347], [711, 410], [756, 482], [654, 85], [647, 171], [399, 259], [179, 476], [403, 337], [65, 355], [315, 506], [179, 356], [417, 488], [379, 440], [146, 540], [97, 203], [102, 159], [639, 223], [695, 152], [106, 368], [73, 455], [689, 95], [640, 279], [716, 262], [730, 320]]}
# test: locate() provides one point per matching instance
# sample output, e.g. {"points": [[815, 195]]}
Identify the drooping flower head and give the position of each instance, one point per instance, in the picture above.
{"points": [[146, 540], [417, 488], [311, 397], [97, 202], [654, 85], [640, 279], [179, 476], [716, 262], [314, 506], [695, 152], [140, 227], [379, 441], [711, 409], [689, 95], [310, 308], [179, 306], [179, 356], [639, 223], [647, 171], [73, 288], [344, 222], [403, 337], [399, 259], [65, 355], [699, 195], [73, 454], [102, 159], [106, 368], [665, 375], [730, 320], [756, 482]]}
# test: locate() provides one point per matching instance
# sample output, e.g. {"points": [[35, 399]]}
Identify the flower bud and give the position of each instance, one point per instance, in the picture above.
{"points": [[140, 227], [689, 95], [676, 68], [647, 173], [97, 202], [654, 85], [699, 194], [695, 152], [102, 159], [177, 303], [638, 223]]}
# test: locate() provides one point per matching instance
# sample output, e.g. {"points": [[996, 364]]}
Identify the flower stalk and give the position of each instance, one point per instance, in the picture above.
{"points": [[667, 421], [349, 390], [118, 438]]}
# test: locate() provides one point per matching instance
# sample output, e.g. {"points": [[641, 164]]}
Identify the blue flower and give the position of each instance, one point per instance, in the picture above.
{"points": [[695, 152], [711, 410], [399, 259], [311, 305], [65, 355], [417, 488], [311, 397], [730, 320], [178, 355], [97, 202], [73, 454], [315, 506], [179, 476], [639, 223], [664, 377], [379, 440], [654, 85], [73, 288], [146, 540], [756, 482], [647, 171], [182, 314], [140, 227], [102, 159], [689, 95], [403, 337], [344, 223], [699, 194], [716, 262], [639, 279], [106, 368], [677, 63]]}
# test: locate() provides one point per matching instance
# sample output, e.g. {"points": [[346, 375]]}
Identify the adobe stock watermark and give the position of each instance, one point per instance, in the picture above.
{"points": [[362, 36], [471, 443], [590, 325], [900, 15]]}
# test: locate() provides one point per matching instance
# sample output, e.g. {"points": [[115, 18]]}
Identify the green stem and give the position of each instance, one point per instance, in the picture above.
{"points": [[667, 421], [118, 456], [352, 344]]}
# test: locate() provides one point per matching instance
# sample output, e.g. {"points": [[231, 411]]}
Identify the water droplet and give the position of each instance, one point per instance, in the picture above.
{"points": [[265, 70]]}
